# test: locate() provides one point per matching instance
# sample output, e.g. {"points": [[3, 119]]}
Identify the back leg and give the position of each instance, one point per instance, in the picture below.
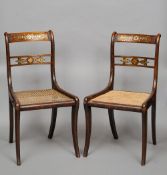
{"points": [[53, 123], [112, 123]]}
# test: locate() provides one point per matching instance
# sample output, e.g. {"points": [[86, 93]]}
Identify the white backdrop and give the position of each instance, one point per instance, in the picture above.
{"points": [[82, 38]]}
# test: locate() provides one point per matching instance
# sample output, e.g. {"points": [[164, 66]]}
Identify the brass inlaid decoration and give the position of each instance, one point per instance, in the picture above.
{"points": [[134, 61], [28, 36], [30, 60], [134, 38], [125, 60]]}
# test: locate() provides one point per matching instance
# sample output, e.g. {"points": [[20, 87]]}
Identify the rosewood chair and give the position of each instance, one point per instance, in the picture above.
{"points": [[123, 100], [37, 99]]}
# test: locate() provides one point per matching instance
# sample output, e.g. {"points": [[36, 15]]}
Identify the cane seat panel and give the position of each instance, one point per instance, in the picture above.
{"points": [[41, 96], [122, 98]]}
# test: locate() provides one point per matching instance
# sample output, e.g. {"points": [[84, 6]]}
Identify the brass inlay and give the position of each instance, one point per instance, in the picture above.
{"points": [[144, 62], [134, 38], [30, 60], [125, 60], [134, 61], [28, 36]]}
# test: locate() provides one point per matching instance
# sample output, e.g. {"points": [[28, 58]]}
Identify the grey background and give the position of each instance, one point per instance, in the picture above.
{"points": [[82, 34]]}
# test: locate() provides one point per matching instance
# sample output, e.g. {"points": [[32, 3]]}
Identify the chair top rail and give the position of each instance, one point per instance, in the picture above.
{"points": [[135, 38], [27, 36]]}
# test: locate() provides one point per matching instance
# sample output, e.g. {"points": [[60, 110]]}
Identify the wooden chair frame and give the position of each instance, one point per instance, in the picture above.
{"points": [[11, 38], [151, 100]]}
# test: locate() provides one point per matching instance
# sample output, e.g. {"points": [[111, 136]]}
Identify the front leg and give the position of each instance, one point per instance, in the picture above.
{"points": [[88, 128], [144, 137], [74, 121], [17, 133]]}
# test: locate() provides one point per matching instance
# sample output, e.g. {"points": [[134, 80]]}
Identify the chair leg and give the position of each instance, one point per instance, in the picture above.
{"points": [[53, 123], [112, 123], [74, 122], [153, 120], [88, 129], [144, 137], [17, 133], [10, 122]]}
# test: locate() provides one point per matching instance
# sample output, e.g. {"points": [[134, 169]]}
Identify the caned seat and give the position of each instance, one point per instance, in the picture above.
{"points": [[41, 97], [52, 98], [122, 98], [113, 99]]}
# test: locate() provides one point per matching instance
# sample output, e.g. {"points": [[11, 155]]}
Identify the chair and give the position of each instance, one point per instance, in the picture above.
{"points": [[124, 100], [52, 98]]}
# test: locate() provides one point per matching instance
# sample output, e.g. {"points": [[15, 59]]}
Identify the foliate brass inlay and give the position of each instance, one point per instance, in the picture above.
{"points": [[30, 60], [134, 61], [125, 60], [134, 38], [144, 62], [38, 36]]}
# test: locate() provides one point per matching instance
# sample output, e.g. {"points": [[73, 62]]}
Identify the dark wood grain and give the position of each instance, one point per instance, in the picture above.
{"points": [[112, 123], [88, 116], [11, 122], [53, 123], [153, 122], [144, 137]]}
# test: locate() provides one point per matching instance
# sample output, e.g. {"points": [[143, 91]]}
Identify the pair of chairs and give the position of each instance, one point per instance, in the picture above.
{"points": [[56, 97]]}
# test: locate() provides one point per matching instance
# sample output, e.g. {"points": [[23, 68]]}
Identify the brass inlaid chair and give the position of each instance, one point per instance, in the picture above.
{"points": [[125, 100], [37, 99]]}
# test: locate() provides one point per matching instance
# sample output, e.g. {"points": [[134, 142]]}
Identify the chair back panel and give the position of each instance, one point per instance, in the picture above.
{"points": [[38, 59], [135, 61], [130, 60], [30, 59], [22, 60]]}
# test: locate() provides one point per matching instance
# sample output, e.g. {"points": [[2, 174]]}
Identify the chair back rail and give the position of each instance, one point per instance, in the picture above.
{"points": [[135, 38], [28, 36], [134, 61], [24, 60]]}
